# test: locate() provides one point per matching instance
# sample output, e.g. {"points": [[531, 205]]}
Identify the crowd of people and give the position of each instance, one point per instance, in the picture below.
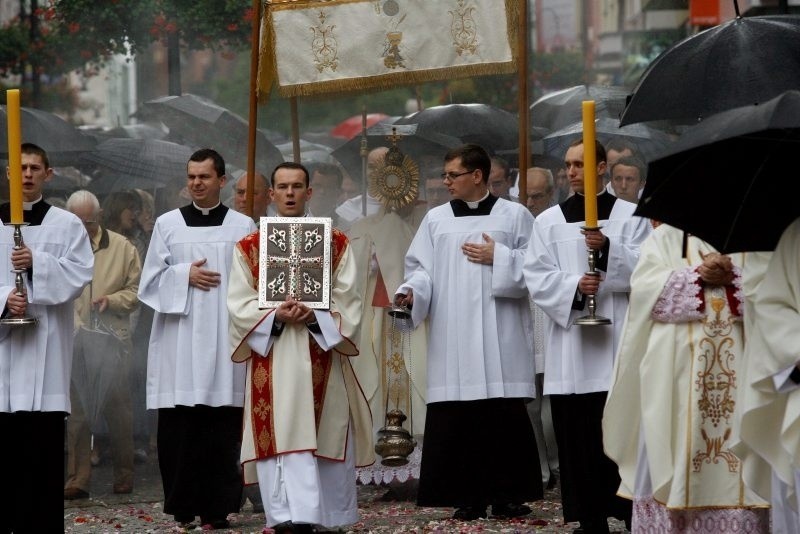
{"points": [[669, 419]]}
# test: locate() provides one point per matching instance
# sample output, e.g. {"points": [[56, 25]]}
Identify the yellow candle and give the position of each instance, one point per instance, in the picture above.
{"points": [[589, 165], [14, 155]]}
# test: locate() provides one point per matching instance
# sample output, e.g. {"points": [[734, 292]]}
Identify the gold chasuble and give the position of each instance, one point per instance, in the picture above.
{"points": [[299, 397]]}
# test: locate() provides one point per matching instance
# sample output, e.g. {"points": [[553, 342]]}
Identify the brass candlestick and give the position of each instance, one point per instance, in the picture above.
{"points": [[591, 300], [19, 282]]}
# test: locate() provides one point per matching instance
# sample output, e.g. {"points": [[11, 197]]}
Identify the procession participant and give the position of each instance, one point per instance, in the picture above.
{"points": [[111, 298], [770, 396], [36, 361], [579, 359], [306, 424], [191, 381], [480, 369], [628, 175], [683, 344], [261, 201]]}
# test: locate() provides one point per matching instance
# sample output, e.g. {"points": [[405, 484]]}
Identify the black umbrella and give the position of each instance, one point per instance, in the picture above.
{"points": [[649, 141], [196, 121], [562, 108], [730, 179], [492, 128], [136, 163], [745, 61], [63, 142], [95, 366], [413, 142]]}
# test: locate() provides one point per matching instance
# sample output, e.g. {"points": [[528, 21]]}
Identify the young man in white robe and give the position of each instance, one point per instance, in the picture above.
{"points": [[464, 273], [191, 380], [36, 360], [306, 423], [770, 399], [669, 422], [579, 359]]}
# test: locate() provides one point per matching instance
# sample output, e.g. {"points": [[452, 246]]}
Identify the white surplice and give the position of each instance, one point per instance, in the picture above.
{"points": [[580, 359], [36, 361], [479, 339], [188, 359]]}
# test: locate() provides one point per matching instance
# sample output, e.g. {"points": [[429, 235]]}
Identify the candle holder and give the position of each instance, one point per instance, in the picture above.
{"points": [[592, 319], [19, 282]]}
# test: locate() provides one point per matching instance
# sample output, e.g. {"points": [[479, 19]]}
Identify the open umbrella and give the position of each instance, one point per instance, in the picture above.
{"points": [[562, 108], [351, 127], [136, 163], [196, 121], [745, 61], [649, 140], [490, 127], [309, 152], [63, 142], [413, 142], [729, 180]]}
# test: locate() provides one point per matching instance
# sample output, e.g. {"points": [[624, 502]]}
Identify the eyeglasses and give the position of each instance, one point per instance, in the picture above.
{"points": [[452, 176]]}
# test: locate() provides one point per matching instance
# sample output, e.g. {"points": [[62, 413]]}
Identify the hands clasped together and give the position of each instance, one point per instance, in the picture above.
{"points": [[716, 269], [294, 311]]}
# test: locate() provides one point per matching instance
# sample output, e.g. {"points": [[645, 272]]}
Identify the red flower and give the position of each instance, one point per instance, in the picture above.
{"points": [[171, 27], [249, 13], [74, 27], [160, 20], [233, 27]]}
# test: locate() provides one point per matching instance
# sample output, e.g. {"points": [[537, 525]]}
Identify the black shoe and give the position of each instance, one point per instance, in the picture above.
{"points": [[470, 513], [510, 510], [552, 481], [288, 527], [599, 526], [185, 521]]}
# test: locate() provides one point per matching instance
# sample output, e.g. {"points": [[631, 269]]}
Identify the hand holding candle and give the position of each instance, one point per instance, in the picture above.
{"points": [[14, 155], [589, 165]]}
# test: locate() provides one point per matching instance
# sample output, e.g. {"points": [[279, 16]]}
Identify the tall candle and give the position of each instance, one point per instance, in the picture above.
{"points": [[589, 165], [14, 155]]}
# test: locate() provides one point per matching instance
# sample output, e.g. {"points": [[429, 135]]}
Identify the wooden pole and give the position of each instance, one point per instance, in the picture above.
{"points": [[522, 99], [253, 116], [295, 129]]}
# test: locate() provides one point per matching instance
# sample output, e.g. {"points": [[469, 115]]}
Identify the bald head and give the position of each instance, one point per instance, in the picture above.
{"points": [[84, 205], [376, 158], [260, 195]]}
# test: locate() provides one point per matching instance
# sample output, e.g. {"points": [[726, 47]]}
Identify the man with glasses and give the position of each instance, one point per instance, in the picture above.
{"points": [[579, 359], [464, 273]]}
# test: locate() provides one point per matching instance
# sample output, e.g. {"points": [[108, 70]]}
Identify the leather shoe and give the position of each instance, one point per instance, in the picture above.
{"points": [[470, 513], [215, 524], [123, 487], [288, 527], [70, 494], [509, 510]]}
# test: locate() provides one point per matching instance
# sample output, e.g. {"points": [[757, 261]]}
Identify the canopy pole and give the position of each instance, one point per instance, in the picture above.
{"points": [[522, 101], [295, 129], [364, 154], [253, 115]]}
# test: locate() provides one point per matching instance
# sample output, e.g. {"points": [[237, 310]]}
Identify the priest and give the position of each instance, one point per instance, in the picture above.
{"points": [[463, 272], [306, 423], [36, 361], [579, 359], [191, 381]]}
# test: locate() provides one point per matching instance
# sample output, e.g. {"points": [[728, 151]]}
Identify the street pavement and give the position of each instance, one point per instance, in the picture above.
{"points": [[142, 512]]}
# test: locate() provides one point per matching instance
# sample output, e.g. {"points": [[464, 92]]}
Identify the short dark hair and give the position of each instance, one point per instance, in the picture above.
{"points": [[209, 153], [621, 144], [472, 157], [288, 165], [632, 161], [328, 169], [503, 164], [36, 150], [599, 150]]}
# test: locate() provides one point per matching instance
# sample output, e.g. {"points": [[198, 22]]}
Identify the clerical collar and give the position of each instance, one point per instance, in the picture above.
{"points": [[28, 206], [573, 207], [477, 208], [205, 211], [196, 216]]}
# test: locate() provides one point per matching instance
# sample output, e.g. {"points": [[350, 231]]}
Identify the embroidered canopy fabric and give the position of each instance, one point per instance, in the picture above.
{"points": [[323, 46], [295, 261]]}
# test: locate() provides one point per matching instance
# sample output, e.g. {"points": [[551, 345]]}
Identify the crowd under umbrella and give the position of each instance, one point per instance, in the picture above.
{"points": [[649, 141], [412, 141], [199, 122], [136, 163], [745, 61], [63, 142], [729, 179], [490, 127], [560, 109]]}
